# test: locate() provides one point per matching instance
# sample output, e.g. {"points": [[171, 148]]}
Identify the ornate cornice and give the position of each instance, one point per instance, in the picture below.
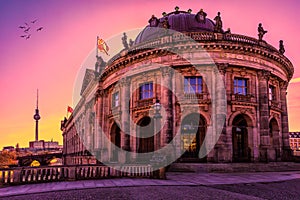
{"points": [[205, 41]]}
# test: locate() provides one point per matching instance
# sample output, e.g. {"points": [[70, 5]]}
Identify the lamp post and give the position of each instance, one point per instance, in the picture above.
{"points": [[157, 123]]}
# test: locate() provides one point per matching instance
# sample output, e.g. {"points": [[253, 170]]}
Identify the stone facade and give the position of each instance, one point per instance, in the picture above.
{"points": [[255, 76]]}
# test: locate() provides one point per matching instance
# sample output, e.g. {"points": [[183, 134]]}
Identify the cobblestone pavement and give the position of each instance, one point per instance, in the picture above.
{"points": [[265, 185], [277, 190]]}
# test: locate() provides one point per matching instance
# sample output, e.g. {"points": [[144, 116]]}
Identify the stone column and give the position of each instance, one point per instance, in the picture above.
{"points": [[221, 111], [263, 89], [287, 153], [167, 104], [125, 117], [98, 121]]}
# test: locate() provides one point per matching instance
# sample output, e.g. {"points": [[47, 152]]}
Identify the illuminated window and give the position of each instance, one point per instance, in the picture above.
{"points": [[272, 93], [240, 86], [115, 99], [192, 85], [146, 90]]}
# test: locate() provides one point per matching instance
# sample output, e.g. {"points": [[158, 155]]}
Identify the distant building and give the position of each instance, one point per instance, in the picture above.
{"points": [[295, 140], [44, 145], [9, 148]]}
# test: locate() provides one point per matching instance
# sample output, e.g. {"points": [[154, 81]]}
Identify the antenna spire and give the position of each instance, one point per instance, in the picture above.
{"points": [[37, 98]]}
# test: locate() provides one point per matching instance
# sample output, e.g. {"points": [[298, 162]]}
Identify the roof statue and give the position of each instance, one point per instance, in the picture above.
{"points": [[201, 16], [99, 65], [261, 32], [124, 40], [189, 10], [176, 10], [228, 31], [131, 42], [153, 21], [281, 47], [219, 24]]}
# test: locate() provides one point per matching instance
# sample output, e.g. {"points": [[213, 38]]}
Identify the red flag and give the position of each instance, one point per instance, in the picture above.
{"points": [[70, 109], [102, 46]]}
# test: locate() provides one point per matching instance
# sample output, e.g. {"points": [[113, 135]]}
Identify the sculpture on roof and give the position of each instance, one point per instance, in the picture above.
{"points": [[131, 42], [153, 21], [281, 47], [219, 24], [261, 32], [201, 16], [124, 40], [176, 10], [165, 23], [99, 65]]}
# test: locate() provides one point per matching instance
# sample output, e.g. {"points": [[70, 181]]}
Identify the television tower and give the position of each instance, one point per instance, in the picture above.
{"points": [[37, 117]]}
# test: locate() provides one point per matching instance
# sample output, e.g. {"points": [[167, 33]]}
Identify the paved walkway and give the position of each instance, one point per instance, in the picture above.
{"points": [[173, 179]]}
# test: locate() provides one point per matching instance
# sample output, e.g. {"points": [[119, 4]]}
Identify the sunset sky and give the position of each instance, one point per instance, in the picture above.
{"points": [[50, 59]]}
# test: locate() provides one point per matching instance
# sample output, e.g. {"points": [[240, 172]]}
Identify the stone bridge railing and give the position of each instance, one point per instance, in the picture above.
{"points": [[24, 175]]}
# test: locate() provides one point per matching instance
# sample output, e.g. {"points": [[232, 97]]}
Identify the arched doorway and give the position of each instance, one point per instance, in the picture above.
{"points": [[145, 135], [115, 138], [193, 129], [274, 136], [241, 151]]}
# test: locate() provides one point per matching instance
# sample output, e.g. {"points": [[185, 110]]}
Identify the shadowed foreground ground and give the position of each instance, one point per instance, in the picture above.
{"points": [[289, 189]]}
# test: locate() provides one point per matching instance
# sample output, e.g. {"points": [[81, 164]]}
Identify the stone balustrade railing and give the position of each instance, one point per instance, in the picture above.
{"points": [[243, 98], [24, 175]]}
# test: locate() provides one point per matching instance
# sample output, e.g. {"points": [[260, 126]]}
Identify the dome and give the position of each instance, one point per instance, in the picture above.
{"points": [[180, 21]]}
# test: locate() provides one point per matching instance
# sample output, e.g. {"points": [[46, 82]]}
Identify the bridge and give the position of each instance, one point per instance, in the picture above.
{"points": [[44, 159]]}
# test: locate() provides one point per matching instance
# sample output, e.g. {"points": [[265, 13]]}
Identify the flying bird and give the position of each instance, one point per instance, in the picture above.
{"points": [[22, 27], [33, 21], [39, 29], [23, 36], [28, 36], [26, 24], [26, 30]]}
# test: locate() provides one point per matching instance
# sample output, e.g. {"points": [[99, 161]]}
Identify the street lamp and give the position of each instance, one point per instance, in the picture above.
{"points": [[157, 108]]}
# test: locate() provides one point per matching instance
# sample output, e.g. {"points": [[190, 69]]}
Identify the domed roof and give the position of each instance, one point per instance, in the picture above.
{"points": [[180, 21]]}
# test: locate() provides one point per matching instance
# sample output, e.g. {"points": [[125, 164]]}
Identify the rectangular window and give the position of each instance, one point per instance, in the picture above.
{"points": [[115, 99], [240, 86], [193, 85], [272, 93], [146, 90]]}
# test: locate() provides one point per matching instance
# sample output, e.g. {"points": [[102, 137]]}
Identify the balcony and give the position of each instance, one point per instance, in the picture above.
{"points": [[143, 104], [193, 96], [249, 98]]}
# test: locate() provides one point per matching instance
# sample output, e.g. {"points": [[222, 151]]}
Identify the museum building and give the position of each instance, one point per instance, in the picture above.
{"points": [[255, 76]]}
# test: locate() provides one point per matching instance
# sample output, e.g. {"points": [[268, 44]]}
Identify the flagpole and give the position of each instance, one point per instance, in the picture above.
{"points": [[97, 47]]}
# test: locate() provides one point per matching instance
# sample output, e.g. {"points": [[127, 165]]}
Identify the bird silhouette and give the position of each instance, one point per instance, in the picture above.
{"points": [[23, 36], [39, 29], [26, 24], [33, 21], [26, 30], [22, 27], [28, 36]]}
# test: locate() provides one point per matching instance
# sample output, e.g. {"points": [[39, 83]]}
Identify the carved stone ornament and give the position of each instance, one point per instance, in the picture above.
{"points": [[264, 74], [125, 81], [284, 85]]}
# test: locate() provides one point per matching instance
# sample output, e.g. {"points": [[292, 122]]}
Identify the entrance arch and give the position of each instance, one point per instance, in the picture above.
{"points": [[193, 129], [145, 131], [115, 138], [274, 136], [241, 150]]}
